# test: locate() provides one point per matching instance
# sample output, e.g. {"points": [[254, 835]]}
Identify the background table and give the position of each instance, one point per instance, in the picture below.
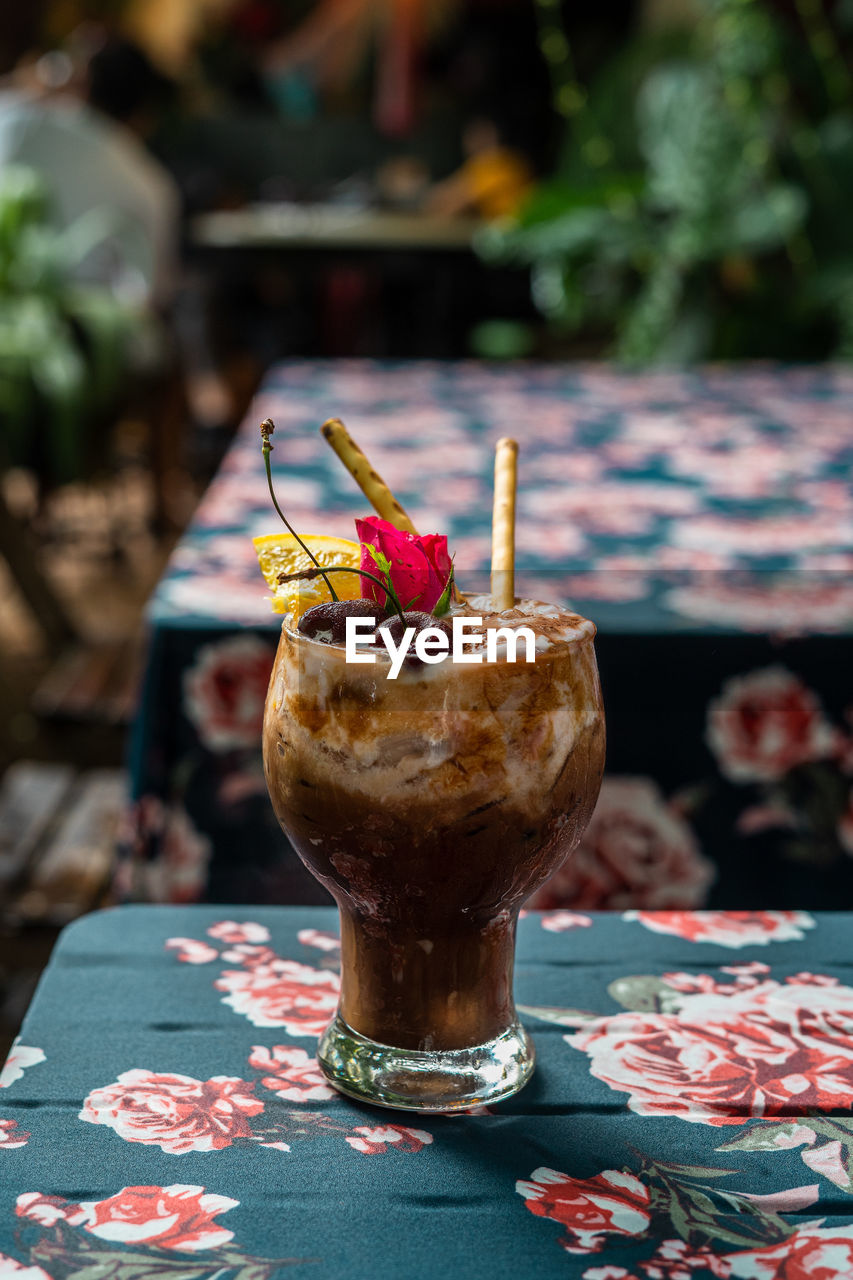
{"points": [[341, 280], [704, 520], [324, 227], [163, 1115]]}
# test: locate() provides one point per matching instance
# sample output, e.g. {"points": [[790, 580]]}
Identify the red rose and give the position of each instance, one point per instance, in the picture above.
{"points": [[723, 1056], [11, 1135], [727, 928], [561, 921], [48, 1210], [20, 1057], [420, 566], [176, 1217], [831, 1160], [322, 939], [611, 1203], [294, 1074], [232, 932], [166, 859], [376, 1141], [175, 1113], [764, 724], [677, 1260], [636, 852], [610, 1272], [812, 1253], [191, 951], [225, 690], [744, 975], [251, 955], [179, 874], [284, 994]]}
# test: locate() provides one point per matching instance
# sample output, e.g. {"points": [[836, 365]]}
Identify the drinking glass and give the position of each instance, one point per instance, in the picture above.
{"points": [[431, 806]]}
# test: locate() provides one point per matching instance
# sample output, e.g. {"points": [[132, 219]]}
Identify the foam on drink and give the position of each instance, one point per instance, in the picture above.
{"points": [[431, 806]]}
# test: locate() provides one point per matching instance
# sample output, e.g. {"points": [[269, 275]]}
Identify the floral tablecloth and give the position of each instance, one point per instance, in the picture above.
{"points": [[704, 520], [162, 1115]]}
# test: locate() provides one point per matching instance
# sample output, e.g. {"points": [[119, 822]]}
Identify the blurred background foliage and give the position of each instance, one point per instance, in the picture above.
{"points": [[63, 344], [700, 202], [695, 164]]}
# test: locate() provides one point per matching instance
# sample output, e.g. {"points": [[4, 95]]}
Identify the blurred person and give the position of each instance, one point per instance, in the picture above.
{"points": [[83, 130], [492, 182], [81, 118]]}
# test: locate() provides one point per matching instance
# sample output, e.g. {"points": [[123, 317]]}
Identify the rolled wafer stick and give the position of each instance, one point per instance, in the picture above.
{"points": [[370, 482], [372, 485], [503, 524]]}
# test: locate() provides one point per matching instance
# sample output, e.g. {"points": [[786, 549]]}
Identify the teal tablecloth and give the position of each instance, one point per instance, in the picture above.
{"points": [[690, 1114], [704, 520]]}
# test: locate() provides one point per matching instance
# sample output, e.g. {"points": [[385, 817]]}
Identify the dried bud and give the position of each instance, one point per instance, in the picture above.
{"points": [[267, 428]]}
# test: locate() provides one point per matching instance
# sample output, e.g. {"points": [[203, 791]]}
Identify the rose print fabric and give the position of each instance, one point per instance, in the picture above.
{"points": [[174, 1112], [704, 520], [719, 1052], [176, 1217], [690, 1115]]}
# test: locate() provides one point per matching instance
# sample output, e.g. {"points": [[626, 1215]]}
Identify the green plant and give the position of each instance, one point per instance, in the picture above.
{"points": [[63, 345], [700, 207]]}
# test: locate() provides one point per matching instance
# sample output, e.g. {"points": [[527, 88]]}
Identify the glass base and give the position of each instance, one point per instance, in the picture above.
{"points": [[419, 1080]]}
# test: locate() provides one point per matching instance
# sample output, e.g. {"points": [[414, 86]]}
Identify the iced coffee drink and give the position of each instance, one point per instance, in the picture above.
{"points": [[431, 806], [433, 758]]}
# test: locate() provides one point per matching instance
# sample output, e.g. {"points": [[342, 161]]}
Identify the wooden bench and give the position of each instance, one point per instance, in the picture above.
{"points": [[58, 831], [92, 683]]}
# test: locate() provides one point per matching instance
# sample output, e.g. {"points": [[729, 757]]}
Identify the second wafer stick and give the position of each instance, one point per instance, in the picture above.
{"points": [[503, 524], [372, 485]]}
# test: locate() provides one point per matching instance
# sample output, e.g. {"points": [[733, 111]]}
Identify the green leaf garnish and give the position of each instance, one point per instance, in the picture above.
{"points": [[442, 604], [383, 564]]}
